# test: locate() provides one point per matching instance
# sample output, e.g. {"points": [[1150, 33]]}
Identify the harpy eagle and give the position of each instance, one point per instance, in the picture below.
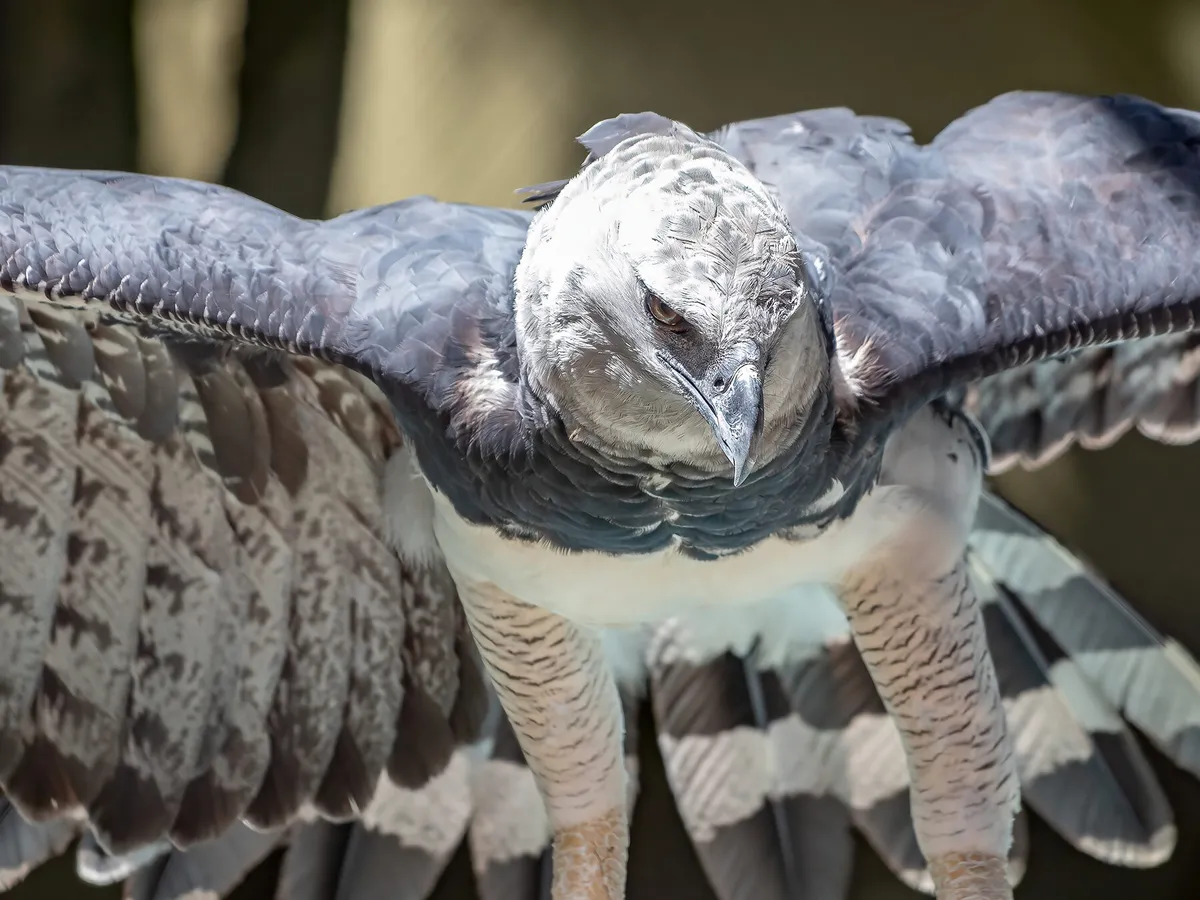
{"points": [[714, 374]]}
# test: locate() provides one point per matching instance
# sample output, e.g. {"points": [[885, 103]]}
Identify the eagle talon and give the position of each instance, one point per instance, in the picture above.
{"points": [[589, 859], [970, 876]]}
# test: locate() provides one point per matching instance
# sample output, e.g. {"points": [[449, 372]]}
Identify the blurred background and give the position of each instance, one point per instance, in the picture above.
{"points": [[318, 106]]}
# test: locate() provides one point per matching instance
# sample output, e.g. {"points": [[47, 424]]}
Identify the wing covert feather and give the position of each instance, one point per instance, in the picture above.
{"points": [[1035, 225], [375, 288]]}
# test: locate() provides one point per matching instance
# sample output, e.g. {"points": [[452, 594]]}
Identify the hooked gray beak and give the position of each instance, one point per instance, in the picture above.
{"points": [[731, 410], [736, 417]]}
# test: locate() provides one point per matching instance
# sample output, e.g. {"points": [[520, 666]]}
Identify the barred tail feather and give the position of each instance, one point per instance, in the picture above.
{"points": [[1150, 680], [726, 747], [1081, 769]]}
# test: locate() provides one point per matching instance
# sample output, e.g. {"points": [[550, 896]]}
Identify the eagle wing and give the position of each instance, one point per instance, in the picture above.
{"points": [[1035, 225], [202, 616], [376, 288], [828, 167]]}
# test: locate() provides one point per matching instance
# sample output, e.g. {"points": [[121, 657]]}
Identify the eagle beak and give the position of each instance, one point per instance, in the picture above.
{"points": [[732, 409], [736, 411]]}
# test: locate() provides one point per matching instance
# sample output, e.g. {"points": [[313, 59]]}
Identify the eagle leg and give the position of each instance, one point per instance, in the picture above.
{"points": [[917, 622], [561, 697]]}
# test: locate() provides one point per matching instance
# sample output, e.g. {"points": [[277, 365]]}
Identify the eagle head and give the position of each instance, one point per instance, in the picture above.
{"points": [[664, 310]]}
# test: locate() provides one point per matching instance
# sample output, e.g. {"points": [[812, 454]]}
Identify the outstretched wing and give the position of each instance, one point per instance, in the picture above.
{"points": [[202, 617], [373, 288], [1033, 226], [1033, 414]]}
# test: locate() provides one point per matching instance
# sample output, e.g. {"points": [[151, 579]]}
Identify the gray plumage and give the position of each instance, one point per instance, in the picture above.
{"points": [[914, 241], [697, 345]]}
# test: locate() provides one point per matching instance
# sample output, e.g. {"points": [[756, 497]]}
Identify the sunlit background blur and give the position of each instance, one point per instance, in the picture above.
{"points": [[319, 106]]}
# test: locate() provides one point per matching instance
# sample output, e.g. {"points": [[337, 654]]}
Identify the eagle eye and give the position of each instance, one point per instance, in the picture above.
{"points": [[664, 314]]}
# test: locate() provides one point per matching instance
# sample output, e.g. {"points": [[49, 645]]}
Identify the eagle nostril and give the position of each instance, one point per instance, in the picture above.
{"points": [[718, 382]]}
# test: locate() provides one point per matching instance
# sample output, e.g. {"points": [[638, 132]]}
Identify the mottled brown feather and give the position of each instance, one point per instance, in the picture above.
{"points": [[201, 620], [37, 484]]}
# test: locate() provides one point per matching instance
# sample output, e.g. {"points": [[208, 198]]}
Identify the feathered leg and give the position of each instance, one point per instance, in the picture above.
{"points": [[916, 619], [560, 695]]}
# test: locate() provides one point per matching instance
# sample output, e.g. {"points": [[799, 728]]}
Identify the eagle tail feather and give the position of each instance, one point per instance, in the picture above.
{"points": [[1152, 681], [719, 734], [1081, 769]]}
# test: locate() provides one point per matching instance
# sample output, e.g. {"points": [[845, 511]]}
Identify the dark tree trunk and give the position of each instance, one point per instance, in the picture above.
{"points": [[289, 95]]}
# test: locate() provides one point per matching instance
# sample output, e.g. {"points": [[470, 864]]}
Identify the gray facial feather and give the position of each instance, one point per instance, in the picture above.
{"points": [[665, 212]]}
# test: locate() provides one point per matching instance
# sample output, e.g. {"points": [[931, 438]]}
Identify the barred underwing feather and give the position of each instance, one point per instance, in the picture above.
{"points": [[1093, 397], [160, 415], [37, 483], [177, 660], [306, 717], [339, 552], [414, 762], [379, 620], [373, 700], [263, 535], [431, 670], [79, 706]]}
